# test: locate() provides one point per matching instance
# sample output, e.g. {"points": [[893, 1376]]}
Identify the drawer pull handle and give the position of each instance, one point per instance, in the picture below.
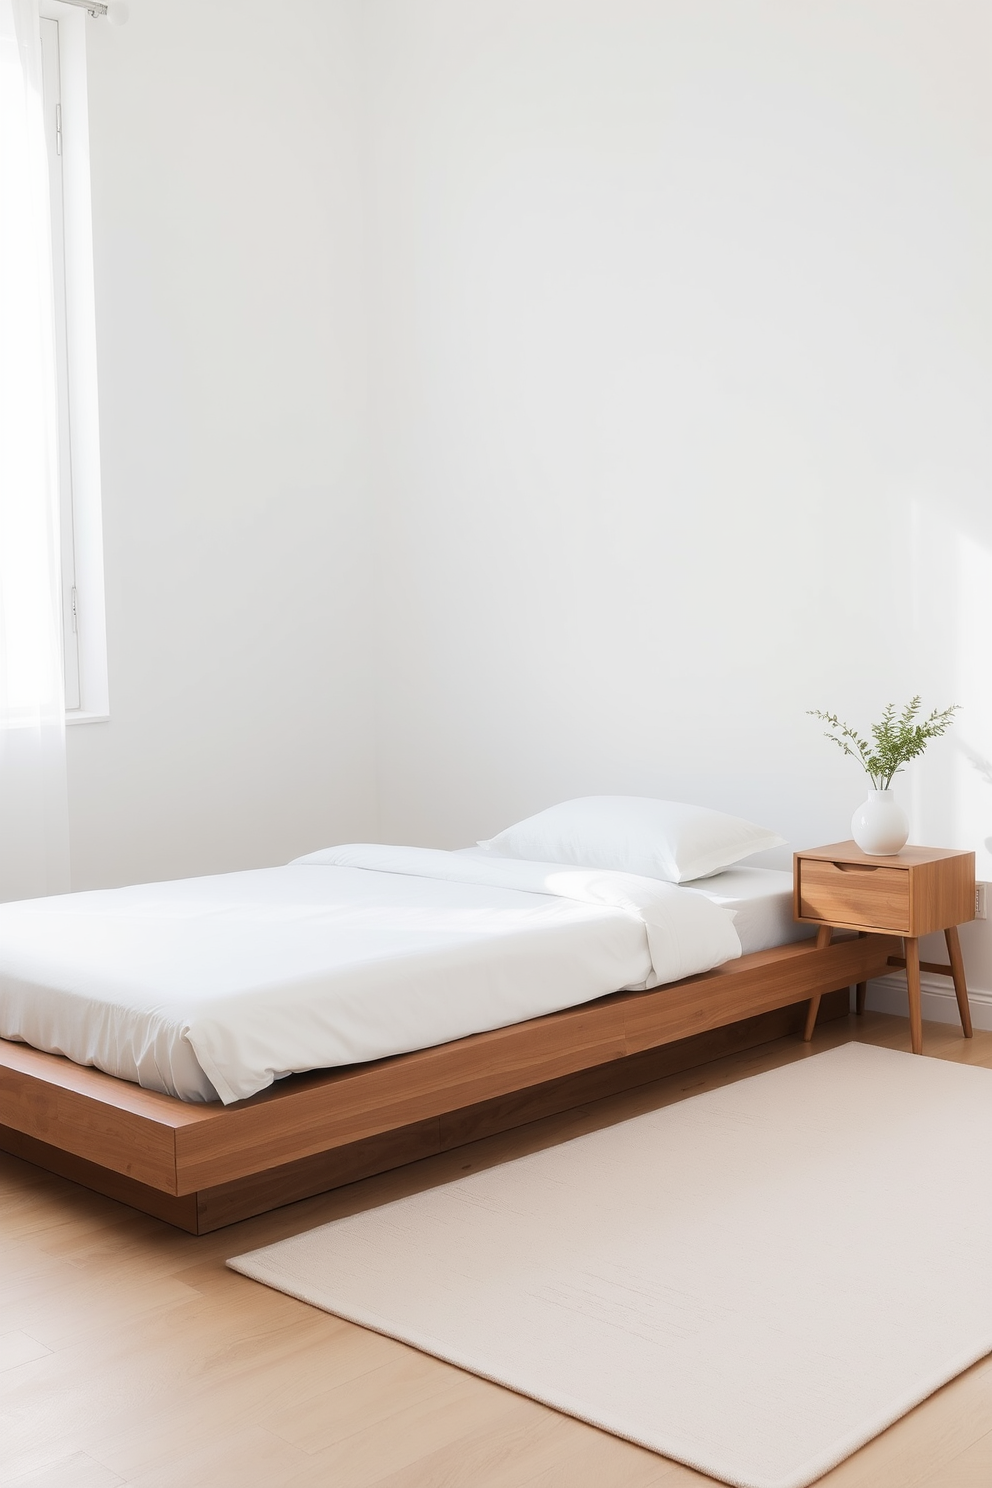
{"points": [[857, 867]]}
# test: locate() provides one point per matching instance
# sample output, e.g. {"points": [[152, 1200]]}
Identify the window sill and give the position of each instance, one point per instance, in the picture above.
{"points": [[78, 715]]}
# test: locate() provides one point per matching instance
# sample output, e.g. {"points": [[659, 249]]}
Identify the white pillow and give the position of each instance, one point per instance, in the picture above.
{"points": [[634, 834]]}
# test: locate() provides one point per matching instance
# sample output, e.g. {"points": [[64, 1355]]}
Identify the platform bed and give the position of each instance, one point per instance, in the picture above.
{"points": [[205, 1166]]}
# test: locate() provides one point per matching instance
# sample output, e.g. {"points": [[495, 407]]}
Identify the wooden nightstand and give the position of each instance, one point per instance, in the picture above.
{"points": [[912, 893]]}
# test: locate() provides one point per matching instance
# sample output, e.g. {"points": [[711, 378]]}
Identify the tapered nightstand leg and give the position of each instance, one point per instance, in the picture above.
{"points": [[960, 986], [861, 990], [814, 1008], [913, 983], [822, 940]]}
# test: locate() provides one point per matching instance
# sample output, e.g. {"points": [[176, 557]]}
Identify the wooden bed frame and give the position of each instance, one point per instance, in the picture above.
{"points": [[204, 1166]]}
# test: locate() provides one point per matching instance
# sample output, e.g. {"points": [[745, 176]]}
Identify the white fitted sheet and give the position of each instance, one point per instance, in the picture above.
{"points": [[761, 902], [215, 987]]}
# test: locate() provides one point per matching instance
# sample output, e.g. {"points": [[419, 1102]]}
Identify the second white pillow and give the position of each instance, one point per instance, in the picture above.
{"points": [[634, 834]]}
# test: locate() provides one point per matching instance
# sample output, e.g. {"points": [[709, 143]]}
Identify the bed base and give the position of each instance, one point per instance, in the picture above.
{"points": [[201, 1167]]}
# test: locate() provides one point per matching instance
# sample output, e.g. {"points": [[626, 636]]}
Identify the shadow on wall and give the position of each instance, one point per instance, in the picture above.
{"points": [[983, 767], [952, 617]]}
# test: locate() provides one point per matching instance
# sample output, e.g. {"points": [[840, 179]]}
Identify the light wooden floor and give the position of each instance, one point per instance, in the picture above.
{"points": [[130, 1354]]}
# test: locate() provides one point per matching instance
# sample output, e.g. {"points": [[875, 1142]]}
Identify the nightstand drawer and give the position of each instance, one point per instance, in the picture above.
{"points": [[854, 894]]}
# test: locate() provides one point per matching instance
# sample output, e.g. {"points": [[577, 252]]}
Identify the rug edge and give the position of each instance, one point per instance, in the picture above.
{"points": [[802, 1477]]}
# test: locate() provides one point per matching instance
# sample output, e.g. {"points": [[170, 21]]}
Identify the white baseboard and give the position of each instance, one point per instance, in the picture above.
{"points": [[888, 995]]}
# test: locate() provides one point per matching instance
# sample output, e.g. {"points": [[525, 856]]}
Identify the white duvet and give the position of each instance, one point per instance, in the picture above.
{"points": [[215, 987]]}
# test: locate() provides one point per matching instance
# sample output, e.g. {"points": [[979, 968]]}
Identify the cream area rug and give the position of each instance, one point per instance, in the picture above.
{"points": [[754, 1281]]}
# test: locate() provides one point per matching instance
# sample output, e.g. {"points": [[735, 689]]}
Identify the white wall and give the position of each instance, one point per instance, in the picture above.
{"points": [[681, 343], [226, 166], [678, 329]]}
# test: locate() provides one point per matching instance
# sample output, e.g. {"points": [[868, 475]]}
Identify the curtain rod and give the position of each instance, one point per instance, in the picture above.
{"points": [[95, 7]]}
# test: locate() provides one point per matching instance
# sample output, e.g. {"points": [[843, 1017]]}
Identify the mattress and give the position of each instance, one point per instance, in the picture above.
{"points": [[215, 987], [761, 902]]}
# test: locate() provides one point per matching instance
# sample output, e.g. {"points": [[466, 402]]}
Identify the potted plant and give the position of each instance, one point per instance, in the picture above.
{"points": [[880, 826]]}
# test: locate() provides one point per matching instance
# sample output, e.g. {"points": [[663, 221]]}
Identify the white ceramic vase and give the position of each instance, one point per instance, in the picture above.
{"points": [[880, 826]]}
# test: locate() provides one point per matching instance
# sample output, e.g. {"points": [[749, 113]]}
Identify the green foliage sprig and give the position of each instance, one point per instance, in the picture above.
{"points": [[897, 740]]}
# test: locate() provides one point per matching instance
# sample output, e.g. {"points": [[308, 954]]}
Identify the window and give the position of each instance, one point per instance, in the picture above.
{"points": [[67, 140]]}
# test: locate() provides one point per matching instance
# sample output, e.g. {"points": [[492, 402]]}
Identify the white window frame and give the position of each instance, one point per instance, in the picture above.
{"points": [[67, 134]]}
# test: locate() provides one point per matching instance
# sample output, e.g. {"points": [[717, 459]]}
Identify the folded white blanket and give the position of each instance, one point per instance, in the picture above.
{"points": [[682, 932], [217, 986]]}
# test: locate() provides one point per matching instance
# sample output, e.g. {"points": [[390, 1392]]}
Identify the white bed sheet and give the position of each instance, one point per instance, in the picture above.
{"points": [[761, 902], [217, 986]]}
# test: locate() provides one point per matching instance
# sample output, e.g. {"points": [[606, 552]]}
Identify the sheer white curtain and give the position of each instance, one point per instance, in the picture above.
{"points": [[34, 818]]}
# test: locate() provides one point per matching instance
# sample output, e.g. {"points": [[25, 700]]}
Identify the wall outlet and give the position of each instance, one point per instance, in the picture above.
{"points": [[981, 902]]}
